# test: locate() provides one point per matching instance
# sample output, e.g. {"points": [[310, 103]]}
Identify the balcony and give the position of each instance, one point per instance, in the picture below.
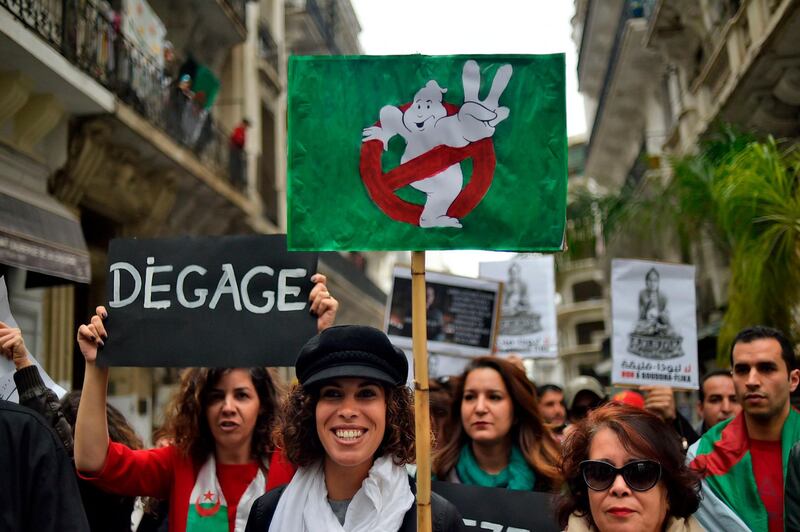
{"points": [[742, 66], [34, 66], [206, 28], [269, 58], [597, 41], [592, 307], [87, 37], [632, 72], [321, 27]]}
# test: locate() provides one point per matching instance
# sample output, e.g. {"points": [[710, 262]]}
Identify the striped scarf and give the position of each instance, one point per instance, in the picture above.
{"points": [[723, 458]]}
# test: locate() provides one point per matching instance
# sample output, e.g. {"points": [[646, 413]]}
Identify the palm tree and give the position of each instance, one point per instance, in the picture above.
{"points": [[743, 194], [757, 203]]}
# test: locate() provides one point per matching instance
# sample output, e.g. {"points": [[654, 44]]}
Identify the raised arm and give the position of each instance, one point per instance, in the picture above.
{"points": [[31, 389], [91, 427]]}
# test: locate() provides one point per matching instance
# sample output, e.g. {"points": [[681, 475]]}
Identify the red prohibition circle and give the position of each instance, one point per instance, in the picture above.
{"points": [[381, 186]]}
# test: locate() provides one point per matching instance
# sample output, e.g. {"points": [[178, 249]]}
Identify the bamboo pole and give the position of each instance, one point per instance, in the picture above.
{"points": [[419, 331]]}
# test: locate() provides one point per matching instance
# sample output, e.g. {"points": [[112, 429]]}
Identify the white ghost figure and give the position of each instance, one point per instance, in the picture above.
{"points": [[425, 125]]}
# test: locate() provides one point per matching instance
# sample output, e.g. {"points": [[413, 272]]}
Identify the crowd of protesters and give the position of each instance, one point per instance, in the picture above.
{"points": [[241, 451]]}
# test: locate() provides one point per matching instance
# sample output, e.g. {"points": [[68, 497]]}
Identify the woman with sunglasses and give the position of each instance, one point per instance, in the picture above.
{"points": [[500, 440], [626, 474]]}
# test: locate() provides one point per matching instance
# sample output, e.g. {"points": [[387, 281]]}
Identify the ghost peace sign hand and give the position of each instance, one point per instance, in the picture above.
{"points": [[479, 117]]}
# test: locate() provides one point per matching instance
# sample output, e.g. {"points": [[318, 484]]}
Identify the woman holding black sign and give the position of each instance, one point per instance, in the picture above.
{"points": [[221, 422], [349, 427], [502, 441], [625, 473]]}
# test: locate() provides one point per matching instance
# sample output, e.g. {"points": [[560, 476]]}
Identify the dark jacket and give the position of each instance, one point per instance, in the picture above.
{"points": [[105, 511], [444, 516], [39, 490], [791, 501], [41, 399]]}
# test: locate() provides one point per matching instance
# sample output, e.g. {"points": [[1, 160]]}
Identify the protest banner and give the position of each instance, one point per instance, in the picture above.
{"points": [[8, 388], [655, 330], [461, 313], [411, 157], [528, 313], [235, 301], [414, 158], [500, 510]]}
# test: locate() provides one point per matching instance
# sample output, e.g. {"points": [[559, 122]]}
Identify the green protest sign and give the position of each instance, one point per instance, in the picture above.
{"points": [[427, 152]]}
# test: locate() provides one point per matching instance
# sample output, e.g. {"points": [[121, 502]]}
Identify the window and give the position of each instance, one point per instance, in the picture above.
{"points": [[585, 331], [586, 291]]}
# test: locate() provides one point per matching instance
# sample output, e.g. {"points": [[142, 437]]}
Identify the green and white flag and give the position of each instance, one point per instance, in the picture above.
{"points": [[427, 152]]}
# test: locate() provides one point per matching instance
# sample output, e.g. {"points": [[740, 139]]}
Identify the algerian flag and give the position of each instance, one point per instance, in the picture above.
{"points": [[208, 508], [722, 457], [421, 152]]}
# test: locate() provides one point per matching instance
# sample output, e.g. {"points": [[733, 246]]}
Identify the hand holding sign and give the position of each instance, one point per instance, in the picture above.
{"points": [[323, 305], [660, 401], [12, 346], [93, 335]]}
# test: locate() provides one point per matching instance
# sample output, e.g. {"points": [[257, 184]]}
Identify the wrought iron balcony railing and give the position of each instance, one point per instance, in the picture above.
{"points": [[267, 48], [88, 35], [240, 8], [325, 21], [630, 10]]}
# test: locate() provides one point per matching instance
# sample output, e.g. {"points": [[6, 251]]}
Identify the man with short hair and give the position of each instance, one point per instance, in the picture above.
{"points": [[717, 399], [552, 408], [743, 460]]}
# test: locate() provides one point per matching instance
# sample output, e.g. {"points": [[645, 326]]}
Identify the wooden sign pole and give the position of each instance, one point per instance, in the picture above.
{"points": [[419, 331]]}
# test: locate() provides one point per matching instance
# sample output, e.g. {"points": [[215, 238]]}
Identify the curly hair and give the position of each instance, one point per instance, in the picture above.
{"points": [[529, 432], [119, 430], [642, 434], [186, 418], [297, 432]]}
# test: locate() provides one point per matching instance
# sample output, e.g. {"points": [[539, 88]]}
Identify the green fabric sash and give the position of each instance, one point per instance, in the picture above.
{"points": [[518, 475], [723, 458]]}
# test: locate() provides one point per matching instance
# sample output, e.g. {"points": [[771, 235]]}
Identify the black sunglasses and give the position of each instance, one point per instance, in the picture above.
{"points": [[640, 475]]}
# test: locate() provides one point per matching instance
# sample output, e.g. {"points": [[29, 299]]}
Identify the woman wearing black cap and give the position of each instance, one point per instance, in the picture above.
{"points": [[349, 427]]}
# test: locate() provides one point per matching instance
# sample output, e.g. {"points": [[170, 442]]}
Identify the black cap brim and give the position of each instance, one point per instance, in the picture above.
{"points": [[350, 370]]}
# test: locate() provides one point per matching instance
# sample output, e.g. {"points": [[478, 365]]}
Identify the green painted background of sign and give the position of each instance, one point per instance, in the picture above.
{"points": [[333, 98]]}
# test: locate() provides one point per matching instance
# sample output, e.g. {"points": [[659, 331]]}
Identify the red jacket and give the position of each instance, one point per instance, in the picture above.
{"points": [[237, 136], [165, 474]]}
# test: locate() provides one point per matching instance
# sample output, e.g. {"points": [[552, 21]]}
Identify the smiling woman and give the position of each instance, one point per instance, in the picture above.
{"points": [[348, 425]]}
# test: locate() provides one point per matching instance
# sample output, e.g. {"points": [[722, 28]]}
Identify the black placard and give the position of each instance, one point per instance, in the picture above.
{"points": [[461, 313], [500, 509], [234, 301]]}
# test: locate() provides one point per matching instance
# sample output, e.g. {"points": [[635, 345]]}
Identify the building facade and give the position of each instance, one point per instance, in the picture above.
{"points": [[116, 120], [583, 310], [657, 77]]}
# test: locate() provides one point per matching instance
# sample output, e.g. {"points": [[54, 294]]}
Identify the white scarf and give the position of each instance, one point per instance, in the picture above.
{"points": [[379, 505], [207, 489]]}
